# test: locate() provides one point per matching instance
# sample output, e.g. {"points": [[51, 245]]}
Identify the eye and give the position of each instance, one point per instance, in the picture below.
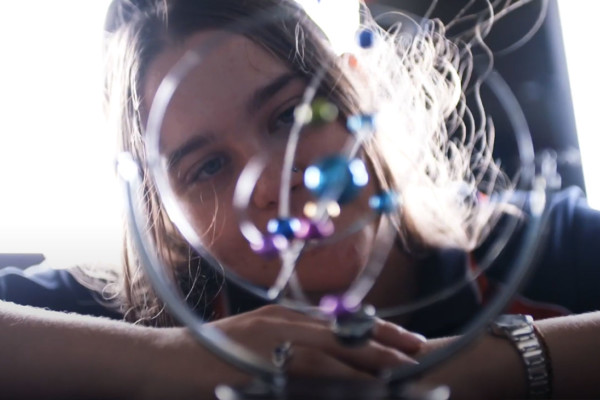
{"points": [[287, 116], [208, 168], [283, 120]]}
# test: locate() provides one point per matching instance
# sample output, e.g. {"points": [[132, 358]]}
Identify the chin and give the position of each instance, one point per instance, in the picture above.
{"points": [[321, 270], [326, 276]]}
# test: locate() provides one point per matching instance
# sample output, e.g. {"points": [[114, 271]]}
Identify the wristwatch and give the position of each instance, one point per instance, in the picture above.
{"points": [[520, 331]]}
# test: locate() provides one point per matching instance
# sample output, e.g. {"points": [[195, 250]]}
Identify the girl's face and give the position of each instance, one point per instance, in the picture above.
{"points": [[237, 104]]}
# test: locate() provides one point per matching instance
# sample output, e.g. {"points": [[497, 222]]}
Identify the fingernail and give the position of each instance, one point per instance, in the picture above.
{"points": [[417, 336], [420, 337], [415, 341]]}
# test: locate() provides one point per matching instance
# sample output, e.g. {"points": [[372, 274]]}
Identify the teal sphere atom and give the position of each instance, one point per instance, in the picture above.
{"points": [[336, 178]]}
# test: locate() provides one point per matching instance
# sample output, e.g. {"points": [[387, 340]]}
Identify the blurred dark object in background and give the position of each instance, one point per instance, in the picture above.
{"points": [[536, 72]]}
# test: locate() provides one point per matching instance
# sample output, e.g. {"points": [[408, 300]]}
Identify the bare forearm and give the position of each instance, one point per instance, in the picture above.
{"points": [[47, 354], [574, 344], [491, 367], [69, 356]]}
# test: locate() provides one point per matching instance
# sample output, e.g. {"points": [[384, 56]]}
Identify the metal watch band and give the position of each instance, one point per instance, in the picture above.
{"points": [[520, 331]]}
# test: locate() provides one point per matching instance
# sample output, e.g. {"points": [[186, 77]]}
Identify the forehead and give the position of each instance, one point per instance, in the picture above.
{"points": [[233, 53], [218, 88]]}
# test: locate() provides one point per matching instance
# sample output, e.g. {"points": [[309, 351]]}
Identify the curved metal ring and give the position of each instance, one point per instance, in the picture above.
{"points": [[282, 355]]}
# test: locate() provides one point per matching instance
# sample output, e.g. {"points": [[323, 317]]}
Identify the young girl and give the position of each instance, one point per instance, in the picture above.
{"points": [[420, 87], [237, 103]]}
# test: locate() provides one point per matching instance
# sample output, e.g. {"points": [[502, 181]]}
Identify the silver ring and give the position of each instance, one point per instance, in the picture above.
{"points": [[282, 355]]}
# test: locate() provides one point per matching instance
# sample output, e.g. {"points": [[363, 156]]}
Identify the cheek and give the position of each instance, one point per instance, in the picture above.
{"points": [[318, 142], [224, 241], [217, 227]]}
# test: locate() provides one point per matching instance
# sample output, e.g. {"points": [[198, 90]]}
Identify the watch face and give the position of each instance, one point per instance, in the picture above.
{"points": [[513, 320]]}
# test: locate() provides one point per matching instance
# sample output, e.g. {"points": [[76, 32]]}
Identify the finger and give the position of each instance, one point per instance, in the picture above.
{"points": [[385, 351], [290, 314], [371, 357], [308, 361], [395, 336], [386, 333]]}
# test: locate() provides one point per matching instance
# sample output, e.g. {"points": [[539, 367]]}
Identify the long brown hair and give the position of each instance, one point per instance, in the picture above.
{"points": [[139, 31], [422, 77]]}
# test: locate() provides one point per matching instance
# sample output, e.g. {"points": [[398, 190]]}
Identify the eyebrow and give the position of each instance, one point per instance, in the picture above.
{"points": [[257, 100], [261, 95], [196, 142]]}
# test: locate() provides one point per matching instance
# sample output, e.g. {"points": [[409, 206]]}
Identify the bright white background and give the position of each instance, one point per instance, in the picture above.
{"points": [[58, 195], [580, 24], [57, 192]]}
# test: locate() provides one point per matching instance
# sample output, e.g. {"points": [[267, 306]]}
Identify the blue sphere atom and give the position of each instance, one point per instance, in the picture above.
{"points": [[336, 178], [366, 38], [286, 227], [384, 202], [360, 123]]}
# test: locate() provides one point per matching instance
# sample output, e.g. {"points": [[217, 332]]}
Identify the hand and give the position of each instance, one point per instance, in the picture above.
{"points": [[186, 369], [316, 349]]}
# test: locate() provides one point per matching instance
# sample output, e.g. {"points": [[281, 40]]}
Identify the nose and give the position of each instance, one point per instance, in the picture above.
{"points": [[267, 189]]}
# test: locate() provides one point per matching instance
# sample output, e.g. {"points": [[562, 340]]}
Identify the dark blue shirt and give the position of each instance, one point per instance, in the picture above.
{"points": [[53, 289]]}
